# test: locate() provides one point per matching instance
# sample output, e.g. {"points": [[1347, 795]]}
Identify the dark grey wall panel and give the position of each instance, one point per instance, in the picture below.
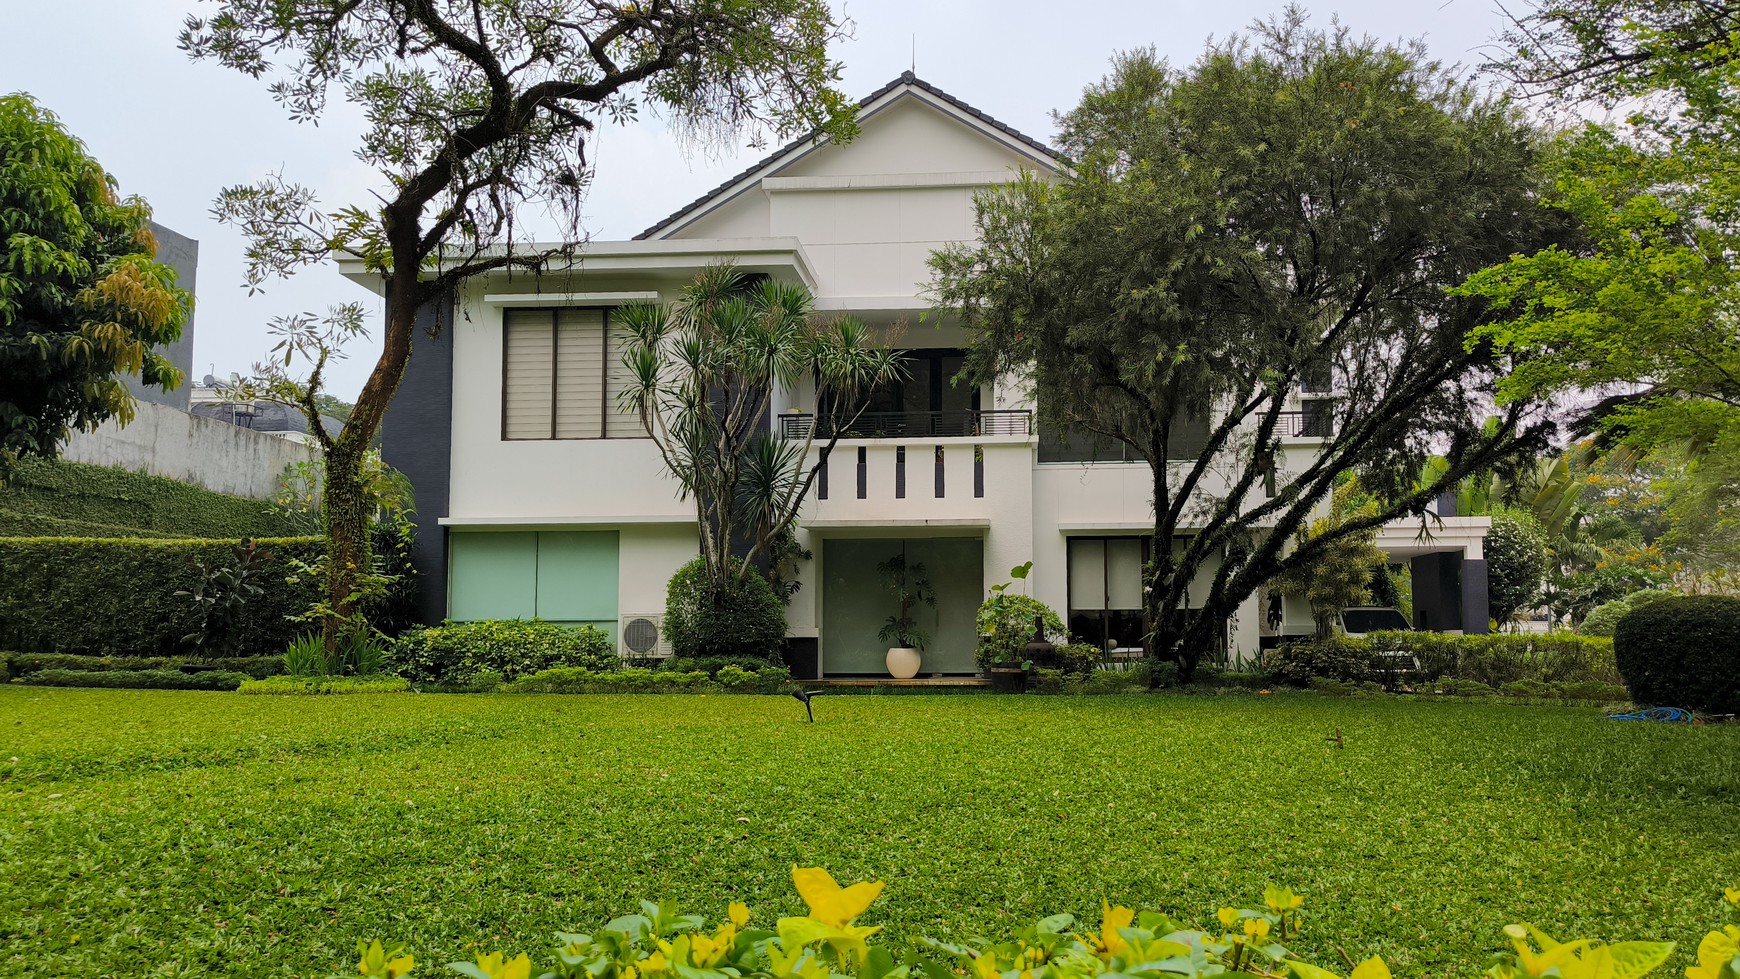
{"points": [[417, 440], [1476, 613], [180, 253]]}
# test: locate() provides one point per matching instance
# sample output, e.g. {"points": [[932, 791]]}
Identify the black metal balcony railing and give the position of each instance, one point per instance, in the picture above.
{"points": [[1306, 424], [963, 423]]}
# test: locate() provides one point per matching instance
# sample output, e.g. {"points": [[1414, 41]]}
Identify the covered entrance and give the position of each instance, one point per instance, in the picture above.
{"points": [[855, 604]]}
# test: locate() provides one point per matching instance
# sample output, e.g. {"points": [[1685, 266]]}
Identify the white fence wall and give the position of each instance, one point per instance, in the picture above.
{"points": [[210, 453]]}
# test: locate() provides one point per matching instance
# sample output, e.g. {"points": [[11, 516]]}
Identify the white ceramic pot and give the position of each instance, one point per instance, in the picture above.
{"points": [[903, 662]]}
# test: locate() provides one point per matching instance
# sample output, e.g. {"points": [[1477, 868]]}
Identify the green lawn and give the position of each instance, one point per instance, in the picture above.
{"points": [[171, 833]]}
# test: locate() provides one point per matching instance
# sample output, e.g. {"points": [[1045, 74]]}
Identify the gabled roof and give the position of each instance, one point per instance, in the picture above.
{"points": [[1009, 134]]}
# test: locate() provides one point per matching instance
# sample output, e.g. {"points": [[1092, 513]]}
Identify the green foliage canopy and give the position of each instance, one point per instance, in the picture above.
{"points": [[82, 299], [476, 111], [1642, 309], [1292, 205]]}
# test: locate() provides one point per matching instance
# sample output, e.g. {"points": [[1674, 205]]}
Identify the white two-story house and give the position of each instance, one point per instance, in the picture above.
{"points": [[537, 497]]}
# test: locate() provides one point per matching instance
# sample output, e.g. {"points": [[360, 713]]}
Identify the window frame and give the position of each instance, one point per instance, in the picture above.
{"points": [[606, 312], [1069, 613]]}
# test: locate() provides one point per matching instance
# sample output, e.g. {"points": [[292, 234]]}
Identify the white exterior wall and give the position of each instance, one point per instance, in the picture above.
{"points": [[564, 481], [164, 441], [856, 224], [647, 557]]}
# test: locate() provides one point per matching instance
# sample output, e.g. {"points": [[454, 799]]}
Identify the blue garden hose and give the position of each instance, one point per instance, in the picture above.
{"points": [[1671, 714]]}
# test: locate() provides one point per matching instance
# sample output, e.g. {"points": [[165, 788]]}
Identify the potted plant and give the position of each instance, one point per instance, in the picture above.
{"points": [[910, 588], [1006, 628]]}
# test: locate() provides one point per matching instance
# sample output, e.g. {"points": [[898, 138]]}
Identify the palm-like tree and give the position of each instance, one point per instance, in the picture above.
{"points": [[702, 371]]}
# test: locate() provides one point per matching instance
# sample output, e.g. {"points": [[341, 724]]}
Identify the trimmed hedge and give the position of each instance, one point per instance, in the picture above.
{"points": [[1500, 658], [1342, 659], [56, 498], [710, 665], [116, 597], [498, 650], [139, 679], [1682, 652], [731, 679], [24, 664], [1493, 660], [322, 685]]}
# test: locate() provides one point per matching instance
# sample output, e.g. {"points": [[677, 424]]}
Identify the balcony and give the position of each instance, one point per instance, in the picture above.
{"points": [[1313, 423], [964, 423]]}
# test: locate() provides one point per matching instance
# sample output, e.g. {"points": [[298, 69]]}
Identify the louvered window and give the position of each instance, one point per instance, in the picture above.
{"points": [[561, 371]]}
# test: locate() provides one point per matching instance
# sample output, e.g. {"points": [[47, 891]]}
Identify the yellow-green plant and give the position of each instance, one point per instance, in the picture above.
{"points": [[827, 943]]}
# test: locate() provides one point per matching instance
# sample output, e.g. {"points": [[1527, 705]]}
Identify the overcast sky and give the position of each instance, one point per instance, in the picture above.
{"points": [[176, 132]]}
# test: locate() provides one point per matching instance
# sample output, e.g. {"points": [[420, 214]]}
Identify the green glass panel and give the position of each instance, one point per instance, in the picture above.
{"points": [[855, 605], [577, 576], [492, 575]]}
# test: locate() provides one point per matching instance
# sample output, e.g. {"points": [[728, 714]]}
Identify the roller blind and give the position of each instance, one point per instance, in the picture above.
{"points": [[579, 373], [1124, 573], [528, 374], [1087, 574]]}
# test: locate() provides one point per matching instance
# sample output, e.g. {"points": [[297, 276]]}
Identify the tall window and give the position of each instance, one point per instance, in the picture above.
{"points": [[926, 403], [561, 373], [1105, 590]]}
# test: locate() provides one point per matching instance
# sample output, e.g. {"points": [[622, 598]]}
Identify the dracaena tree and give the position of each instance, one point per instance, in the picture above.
{"points": [[1293, 206], [477, 111], [702, 370]]}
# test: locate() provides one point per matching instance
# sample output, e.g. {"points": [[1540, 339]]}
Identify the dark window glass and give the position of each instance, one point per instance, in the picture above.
{"points": [[925, 403], [1358, 621], [1064, 444]]}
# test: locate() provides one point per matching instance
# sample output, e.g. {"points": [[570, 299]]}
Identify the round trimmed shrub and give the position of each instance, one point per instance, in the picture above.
{"points": [[1682, 652], [1602, 620], [703, 620]]}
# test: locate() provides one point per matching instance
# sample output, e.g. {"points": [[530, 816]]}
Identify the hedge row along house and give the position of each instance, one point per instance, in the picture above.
{"points": [[539, 497]]}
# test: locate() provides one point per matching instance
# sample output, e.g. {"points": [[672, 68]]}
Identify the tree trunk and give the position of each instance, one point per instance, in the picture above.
{"points": [[347, 538], [345, 505], [1162, 603]]}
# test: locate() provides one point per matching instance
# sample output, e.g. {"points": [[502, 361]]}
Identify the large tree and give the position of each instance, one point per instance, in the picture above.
{"points": [[82, 298], [1292, 207], [1637, 320], [478, 110], [1642, 310]]}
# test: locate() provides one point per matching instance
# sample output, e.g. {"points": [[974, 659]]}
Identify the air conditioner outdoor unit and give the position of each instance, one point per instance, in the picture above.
{"points": [[642, 637]]}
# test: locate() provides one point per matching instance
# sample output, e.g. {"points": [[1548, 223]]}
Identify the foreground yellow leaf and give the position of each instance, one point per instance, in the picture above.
{"points": [[1372, 968], [1716, 951], [829, 902], [1112, 919]]}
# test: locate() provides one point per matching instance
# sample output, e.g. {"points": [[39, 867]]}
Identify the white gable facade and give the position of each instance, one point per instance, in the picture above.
{"points": [[535, 499]]}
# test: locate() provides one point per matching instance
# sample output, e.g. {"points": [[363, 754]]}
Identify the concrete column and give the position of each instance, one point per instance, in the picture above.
{"points": [[1475, 611], [1437, 595]]}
